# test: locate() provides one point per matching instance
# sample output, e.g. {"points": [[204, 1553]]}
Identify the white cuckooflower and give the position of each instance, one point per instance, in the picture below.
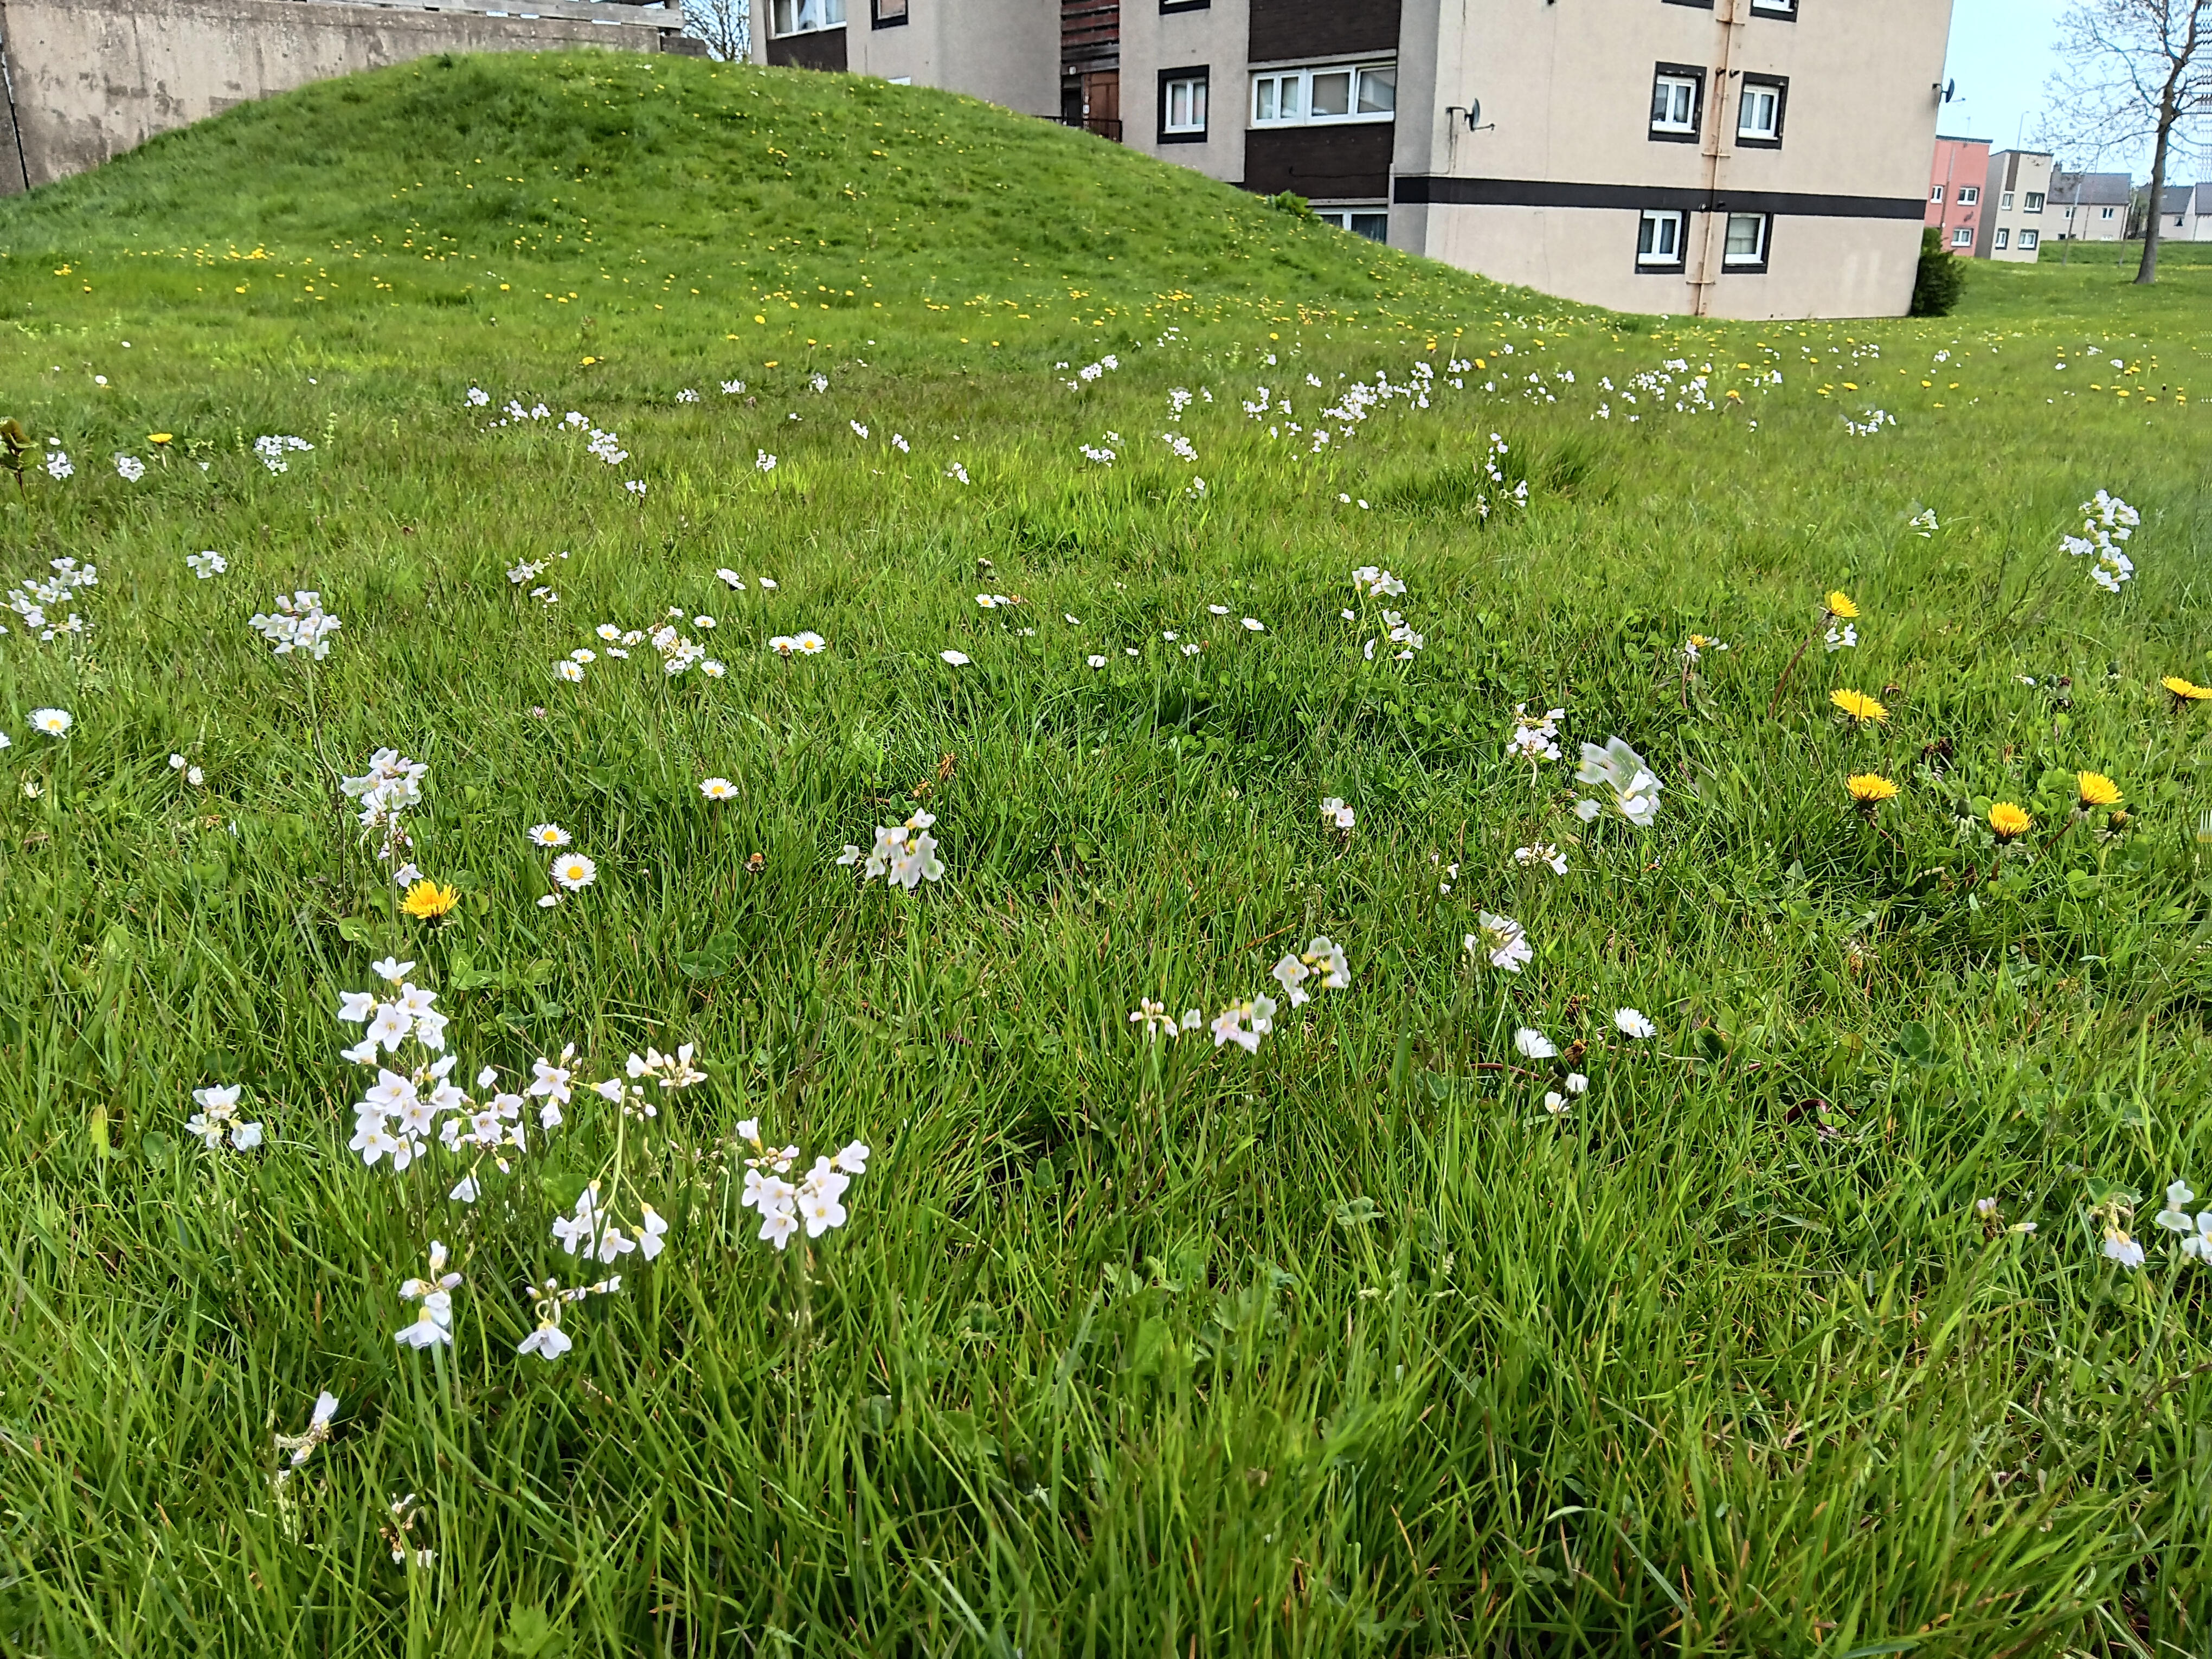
{"points": [[777, 1227], [1334, 814], [2174, 1218], [391, 969], [1544, 853], [1621, 771], [2119, 1248], [549, 1341], [1502, 940]]}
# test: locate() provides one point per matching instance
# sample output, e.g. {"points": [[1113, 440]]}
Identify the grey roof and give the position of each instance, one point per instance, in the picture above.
{"points": [[2176, 199], [2204, 200], [2098, 188]]}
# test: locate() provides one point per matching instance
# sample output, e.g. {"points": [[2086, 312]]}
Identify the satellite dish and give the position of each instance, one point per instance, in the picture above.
{"points": [[1474, 113]]}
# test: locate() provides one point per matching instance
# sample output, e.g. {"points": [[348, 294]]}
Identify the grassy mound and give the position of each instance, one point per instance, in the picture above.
{"points": [[1633, 1290]]}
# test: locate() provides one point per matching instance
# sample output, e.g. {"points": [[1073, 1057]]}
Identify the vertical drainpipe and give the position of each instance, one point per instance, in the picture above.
{"points": [[14, 121], [1728, 14]]}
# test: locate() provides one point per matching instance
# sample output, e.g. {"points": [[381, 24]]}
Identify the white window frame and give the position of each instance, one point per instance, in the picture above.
{"points": [[827, 14], [2004, 203], [1656, 258], [1675, 84], [1758, 256], [1962, 236], [1377, 71], [1341, 218], [1770, 90], [2032, 203], [1778, 8], [1968, 194], [2004, 238], [2104, 213], [1935, 192], [1194, 86], [2030, 240]]}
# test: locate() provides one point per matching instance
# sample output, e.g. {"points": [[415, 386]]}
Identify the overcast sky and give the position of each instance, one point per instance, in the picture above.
{"points": [[2000, 58]]}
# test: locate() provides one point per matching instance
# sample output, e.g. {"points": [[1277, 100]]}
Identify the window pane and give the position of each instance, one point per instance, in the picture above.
{"points": [[1263, 98], [1662, 100], [833, 12], [1294, 97], [1935, 193], [1657, 242], [1178, 103], [2034, 202], [2004, 238], [1743, 235], [1375, 227], [1332, 92], [1378, 91], [2028, 239], [1198, 105], [1756, 119], [1962, 237]]}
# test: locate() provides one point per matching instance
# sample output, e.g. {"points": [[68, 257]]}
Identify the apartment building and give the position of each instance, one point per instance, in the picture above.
{"points": [[2015, 206], [2092, 206], [1005, 51], [1737, 158], [1956, 178]]}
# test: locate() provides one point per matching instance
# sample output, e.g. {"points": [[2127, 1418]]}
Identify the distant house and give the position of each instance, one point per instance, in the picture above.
{"points": [[2178, 216], [1956, 180], [2200, 211], [2091, 207], [2016, 206]]}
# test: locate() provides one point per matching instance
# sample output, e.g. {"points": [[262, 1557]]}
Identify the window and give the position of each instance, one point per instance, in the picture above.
{"points": [[1346, 92], [2104, 213], [1744, 248], [2003, 237], [1167, 6], [1676, 93], [2028, 239], [1968, 194], [1182, 106], [2032, 201], [888, 14], [804, 16], [1758, 113], [1935, 194], [1373, 223], [1963, 237], [1659, 242], [2004, 203], [1775, 8]]}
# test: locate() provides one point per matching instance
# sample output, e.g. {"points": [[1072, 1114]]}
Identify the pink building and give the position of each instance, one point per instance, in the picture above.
{"points": [[1955, 184]]}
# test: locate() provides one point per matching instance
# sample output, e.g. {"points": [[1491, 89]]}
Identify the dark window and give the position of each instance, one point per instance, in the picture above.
{"points": [[1759, 108], [1659, 239], [1167, 6], [889, 13], [1182, 105], [1678, 97]]}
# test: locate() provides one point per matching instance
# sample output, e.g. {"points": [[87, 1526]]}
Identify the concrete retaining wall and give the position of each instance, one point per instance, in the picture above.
{"points": [[88, 79]]}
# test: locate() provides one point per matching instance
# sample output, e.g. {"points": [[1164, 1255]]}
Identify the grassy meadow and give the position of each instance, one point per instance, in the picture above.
{"points": [[1450, 1314]]}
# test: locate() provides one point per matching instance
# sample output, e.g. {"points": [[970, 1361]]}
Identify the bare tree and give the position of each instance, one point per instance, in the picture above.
{"points": [[2132, 69], [726, 26]]}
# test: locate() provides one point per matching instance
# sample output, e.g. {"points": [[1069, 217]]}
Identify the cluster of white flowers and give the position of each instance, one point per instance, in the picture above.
{"points": [[1534, 737], [737, 582], [589, 1228], [549, 1341], [1180, 445], [957, 470], [607, 447], [1633, 789], [2196, 1230], [814, 1201], [1157, 1022], [433, 1326], [1100, 453], [905, 855], [1875, 421], [1541, 854], [1322, 960], [193, 776], [388, 788], [1491, 456], [301, 1447], [689, 395], [763, 461], [1335, 815], [218, 1119], [273, 448], [1500, 941], [1923, 523], [1091, 371], [1842, 637], [571, 871], [2106, 521], [206, 564], [129, 468], [804, 645], [298, 623], [57, 461], [38, 597], [1242, 1022]]}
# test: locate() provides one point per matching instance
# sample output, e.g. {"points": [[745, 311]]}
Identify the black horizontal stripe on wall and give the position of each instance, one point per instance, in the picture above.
{"points": [[1547, 192]]}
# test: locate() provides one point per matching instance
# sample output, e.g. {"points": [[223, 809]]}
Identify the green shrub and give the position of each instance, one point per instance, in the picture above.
{"points": [[1941, 278]]}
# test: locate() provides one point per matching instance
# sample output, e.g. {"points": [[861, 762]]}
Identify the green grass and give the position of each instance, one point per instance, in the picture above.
{"points": [[1347, 1346]]}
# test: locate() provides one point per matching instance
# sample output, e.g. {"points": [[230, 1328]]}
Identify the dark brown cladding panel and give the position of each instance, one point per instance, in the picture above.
{"points": [[822, 49], [1287, 29], [1321, 163]]}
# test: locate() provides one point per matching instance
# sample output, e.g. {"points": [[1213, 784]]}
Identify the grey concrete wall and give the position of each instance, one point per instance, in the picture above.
{"points": [[90, 79]]}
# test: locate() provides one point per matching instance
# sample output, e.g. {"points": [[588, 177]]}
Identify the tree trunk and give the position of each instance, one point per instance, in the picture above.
{"points": [[2146, 272]]}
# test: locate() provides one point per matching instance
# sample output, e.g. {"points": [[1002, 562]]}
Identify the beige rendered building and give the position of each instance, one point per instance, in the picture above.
{"points": [[2016, 206], [2091, 207], [1736, 158]]}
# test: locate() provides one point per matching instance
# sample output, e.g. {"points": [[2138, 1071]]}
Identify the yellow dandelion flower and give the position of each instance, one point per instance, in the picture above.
{"points": [[425, 901], [1859, 706], [2183, 691], [160, 437], [2008, 822], [2097, 790], [1840, 604], [1870, 789]]}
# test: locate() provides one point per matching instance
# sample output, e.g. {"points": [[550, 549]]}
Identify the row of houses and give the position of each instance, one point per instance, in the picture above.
{"points": [[1730, 158], [2007, 203]]}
